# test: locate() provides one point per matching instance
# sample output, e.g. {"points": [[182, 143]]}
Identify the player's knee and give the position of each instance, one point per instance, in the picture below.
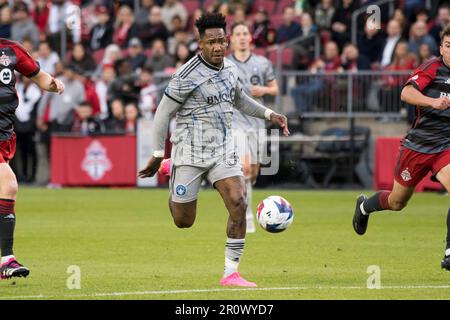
{"points": [[182, 218], [9, 188], [238, 201]]}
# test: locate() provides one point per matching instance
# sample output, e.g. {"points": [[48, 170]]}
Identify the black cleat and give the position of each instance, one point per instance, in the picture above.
{"points": [[359, 219], [12, 268], [445, 263]]}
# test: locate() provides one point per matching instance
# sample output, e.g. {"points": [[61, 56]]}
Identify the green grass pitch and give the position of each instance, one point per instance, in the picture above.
{"points": [[127, 247]]}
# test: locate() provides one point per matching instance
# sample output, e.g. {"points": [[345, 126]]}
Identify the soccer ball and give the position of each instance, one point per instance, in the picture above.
{"points": [[274, 214]]}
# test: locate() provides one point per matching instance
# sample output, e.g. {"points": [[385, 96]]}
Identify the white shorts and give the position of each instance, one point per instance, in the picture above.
{"points": [[185, 180], [249, 145]]}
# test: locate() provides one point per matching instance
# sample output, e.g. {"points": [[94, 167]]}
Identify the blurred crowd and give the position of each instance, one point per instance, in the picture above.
{"points": [[110, 54]]}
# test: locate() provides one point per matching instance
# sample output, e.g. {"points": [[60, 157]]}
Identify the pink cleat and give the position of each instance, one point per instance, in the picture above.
{"points": [[164, 168], [235, 279]]}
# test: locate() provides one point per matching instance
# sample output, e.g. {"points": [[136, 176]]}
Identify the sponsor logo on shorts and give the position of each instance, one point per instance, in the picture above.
{"points": [[180, 190], [406, 176]]}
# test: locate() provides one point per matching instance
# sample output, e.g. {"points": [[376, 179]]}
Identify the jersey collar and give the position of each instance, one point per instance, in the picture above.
{"points": [[245, 61], [208, 64]]}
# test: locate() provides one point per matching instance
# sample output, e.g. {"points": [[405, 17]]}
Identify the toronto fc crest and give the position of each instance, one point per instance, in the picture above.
{"points": [[5, 60], [406, 176], [96, 162]]}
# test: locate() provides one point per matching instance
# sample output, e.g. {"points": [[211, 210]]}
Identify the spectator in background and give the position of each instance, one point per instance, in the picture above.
{"points": [[303, 52], [341, 22], [111, 55], [324, 14], [144, 12], [47, 58], [304, 93], [101, 33], [400, 17], [25, 163], [58, 9], [353, 61], [115, 123], [136, 55], [153, 29], [394, 35], [390, 91], [182, 54], [101, 88], [5, 22], [23, 26], [82, 60], [124, 86], [40, 15], [28, 46], [148, 94], [371, 43], [160, 60], [263, 34], [82, 121], [90, 93], [411, 7], [290, 29], [131, 117], [125, 27], [424, 54], [419, 35], [54, 109], [441, 21], [173, 8]]}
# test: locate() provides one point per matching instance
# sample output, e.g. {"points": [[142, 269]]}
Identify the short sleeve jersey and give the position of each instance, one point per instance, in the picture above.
{"points": [[13, 57], [203, 121], [255, 71], [430, 132]]}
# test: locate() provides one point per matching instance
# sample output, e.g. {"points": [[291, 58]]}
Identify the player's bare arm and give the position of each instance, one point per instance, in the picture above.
{"points": [[48, 83], [167, 107], [270, 89], [413, 96]]}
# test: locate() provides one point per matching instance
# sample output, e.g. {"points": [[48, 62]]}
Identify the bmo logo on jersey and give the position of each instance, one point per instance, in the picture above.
{"points": [[222, 97], [6, 76]]}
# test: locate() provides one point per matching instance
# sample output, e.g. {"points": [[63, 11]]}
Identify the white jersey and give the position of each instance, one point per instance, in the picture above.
{"points": [[203, 122], [255, 71]]}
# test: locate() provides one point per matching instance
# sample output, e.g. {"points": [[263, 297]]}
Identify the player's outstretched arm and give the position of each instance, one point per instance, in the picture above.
{"points": [[413, 96], [253, 108], [48, 83], [165, 109]]}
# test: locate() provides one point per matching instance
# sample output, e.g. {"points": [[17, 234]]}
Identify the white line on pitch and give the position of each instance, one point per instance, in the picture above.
{"points": [[140, 293]]}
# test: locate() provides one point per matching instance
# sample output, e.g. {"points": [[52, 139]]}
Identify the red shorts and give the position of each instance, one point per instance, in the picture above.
{"points": [[7, 149], [413, 166]]}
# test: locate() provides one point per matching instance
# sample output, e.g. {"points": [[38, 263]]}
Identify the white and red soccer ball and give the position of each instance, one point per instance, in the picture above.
{"points": [[274, 214]]}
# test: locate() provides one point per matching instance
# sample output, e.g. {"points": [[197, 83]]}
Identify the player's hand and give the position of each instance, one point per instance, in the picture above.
{"points": [[280, 120], [441, 103], [257, 91], [57, 86], [151, 168]]}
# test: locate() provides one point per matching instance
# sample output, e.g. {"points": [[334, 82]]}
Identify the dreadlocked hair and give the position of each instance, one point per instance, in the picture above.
{"points": [[210, 20]]}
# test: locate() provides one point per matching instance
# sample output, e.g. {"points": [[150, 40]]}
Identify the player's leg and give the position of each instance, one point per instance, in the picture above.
{"points": [[9, 267], [233, 193], [184, 186], [228, 179], [411, 168], [444, 177], [441, 170]]}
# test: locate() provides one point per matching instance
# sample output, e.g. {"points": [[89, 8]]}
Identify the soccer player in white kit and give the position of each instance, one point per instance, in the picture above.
{"points": [[258, 79], [204, 93]]}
